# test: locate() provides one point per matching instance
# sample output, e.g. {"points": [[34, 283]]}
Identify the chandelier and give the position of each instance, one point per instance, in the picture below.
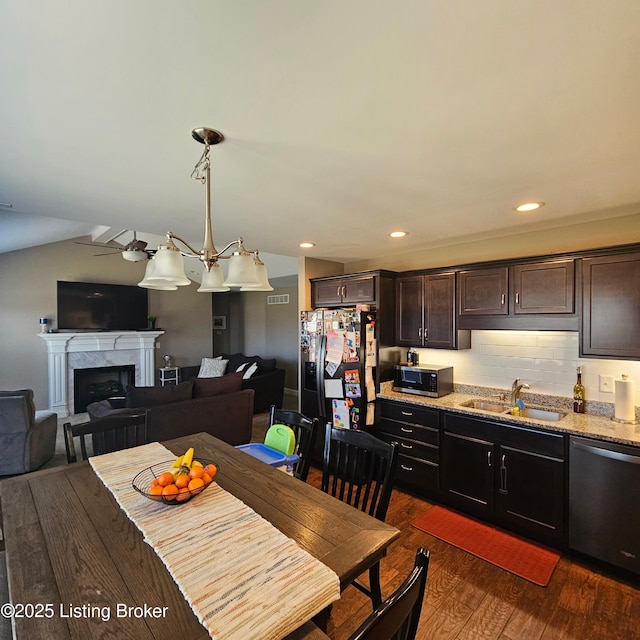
{"points": [[165, 270]]}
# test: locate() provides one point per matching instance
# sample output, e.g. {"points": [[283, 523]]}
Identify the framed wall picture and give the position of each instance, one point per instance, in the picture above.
{"points": [[219, 322]]}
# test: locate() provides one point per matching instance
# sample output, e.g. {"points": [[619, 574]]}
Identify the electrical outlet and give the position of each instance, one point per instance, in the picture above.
{"points": [[606, 384]]}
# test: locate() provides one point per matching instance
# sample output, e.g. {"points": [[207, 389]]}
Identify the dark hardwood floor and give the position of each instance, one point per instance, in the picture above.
{"points": [[470, 599]]}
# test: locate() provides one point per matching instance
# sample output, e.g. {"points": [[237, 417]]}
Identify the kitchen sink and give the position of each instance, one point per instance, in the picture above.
{"points": [[529, 412], [485, 405], [542, 414]]}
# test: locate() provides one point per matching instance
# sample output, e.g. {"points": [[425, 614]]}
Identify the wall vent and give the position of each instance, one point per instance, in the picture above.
{"points": [[281, 299]]}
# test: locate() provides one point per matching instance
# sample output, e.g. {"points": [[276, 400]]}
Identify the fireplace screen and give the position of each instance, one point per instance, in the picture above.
{"points": [[100, 383]]}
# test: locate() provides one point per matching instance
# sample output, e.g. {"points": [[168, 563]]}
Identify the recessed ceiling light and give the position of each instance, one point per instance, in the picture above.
{"points": [[307, 245], [398, 234], [529, 206]]}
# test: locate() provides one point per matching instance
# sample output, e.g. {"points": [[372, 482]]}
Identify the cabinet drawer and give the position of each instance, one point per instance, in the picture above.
{"points": [[411, 413], [414, 432], [418, 474], [408, 447]]}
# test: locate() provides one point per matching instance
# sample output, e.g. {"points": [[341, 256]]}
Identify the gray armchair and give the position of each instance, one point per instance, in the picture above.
{"points": [[27, 436]]}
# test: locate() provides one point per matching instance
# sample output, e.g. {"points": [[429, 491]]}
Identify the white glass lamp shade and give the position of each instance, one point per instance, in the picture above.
{"points": [[155, 284], [213, 280], [264, 285], [134, 256], [242, 271], [169, 267]]}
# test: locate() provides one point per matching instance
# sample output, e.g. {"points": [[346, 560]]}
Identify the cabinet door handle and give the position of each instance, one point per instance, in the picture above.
{"points": [[406, 413], [488, 458], [406, 430], [502, 299], [517, 297], [406, 468], [344, 290], [503, 476], [406, 446], [420, 333]]}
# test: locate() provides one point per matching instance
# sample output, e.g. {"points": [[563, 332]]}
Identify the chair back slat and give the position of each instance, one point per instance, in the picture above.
{"points": [[106, 435], [359, 469], [305, 430]]}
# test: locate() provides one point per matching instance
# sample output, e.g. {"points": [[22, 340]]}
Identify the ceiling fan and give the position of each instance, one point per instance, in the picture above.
{"points": [[134, 251]]}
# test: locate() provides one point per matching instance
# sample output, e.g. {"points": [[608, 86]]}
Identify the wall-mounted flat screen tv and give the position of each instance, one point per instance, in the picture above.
{"points": [[87, 306]]}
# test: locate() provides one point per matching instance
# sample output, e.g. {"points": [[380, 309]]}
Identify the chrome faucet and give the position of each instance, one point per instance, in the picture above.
{"points": [[516, 390]]}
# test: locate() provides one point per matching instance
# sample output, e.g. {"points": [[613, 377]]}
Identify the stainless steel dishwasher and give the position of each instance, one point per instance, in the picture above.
{"points": [[604, 501]]}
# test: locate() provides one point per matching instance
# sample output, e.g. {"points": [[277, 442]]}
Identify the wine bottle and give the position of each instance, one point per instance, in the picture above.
{"points": [[578, 393]]}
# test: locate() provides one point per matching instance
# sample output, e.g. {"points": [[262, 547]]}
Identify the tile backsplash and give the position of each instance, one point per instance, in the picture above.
{"points": [[546, 360]]}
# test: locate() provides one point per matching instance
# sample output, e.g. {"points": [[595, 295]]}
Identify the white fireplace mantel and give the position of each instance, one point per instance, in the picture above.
{"points": [[69, 351]]}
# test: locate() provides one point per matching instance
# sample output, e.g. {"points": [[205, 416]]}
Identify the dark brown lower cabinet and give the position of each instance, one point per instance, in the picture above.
{"points": [[508, 475]]}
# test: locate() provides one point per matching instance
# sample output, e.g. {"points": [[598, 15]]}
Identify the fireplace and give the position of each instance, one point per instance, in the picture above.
{"points": [[68, 352], [100, 383]]}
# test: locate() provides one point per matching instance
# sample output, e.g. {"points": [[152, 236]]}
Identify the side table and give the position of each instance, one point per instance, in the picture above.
{"points": [[168, 375]]}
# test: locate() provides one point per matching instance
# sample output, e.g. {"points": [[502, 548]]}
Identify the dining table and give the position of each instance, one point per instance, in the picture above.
{"points": [[69, 544]]}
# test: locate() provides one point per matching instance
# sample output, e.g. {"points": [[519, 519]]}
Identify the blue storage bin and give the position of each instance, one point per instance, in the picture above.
{"points": [[269, 456]]}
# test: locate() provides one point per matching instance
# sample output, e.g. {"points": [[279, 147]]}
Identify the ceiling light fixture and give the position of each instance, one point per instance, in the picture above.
{"points": [[166, 269], [307, 245], [398, 234], [528, 206]]}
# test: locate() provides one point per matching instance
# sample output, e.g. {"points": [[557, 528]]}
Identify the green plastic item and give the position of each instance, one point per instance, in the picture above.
{"points": [[281, 438]]}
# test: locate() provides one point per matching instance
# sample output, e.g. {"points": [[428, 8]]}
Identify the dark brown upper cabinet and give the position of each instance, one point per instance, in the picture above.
{"points": [[611, 306], [483, 292], [343, 291], [544, 287], [426, 312], [522, 295]]}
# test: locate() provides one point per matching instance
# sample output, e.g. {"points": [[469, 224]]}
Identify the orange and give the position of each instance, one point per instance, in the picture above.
{"points": [[206, 478], [211, 469], [196, 472], [164, 479], [154, 482], [182, 481], [155, 491], [183, 494], [170, 492], [196, 485]]}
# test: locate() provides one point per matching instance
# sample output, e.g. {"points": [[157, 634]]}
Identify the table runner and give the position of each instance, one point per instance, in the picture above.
{"points": [[242, 577]]}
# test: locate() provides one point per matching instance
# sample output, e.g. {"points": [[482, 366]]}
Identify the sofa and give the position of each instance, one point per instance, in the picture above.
{"points": [[27, 436], [218, 406], [259, 374]]}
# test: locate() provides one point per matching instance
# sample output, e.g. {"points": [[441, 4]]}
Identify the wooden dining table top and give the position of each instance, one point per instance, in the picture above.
{"points": [[74, 558]]}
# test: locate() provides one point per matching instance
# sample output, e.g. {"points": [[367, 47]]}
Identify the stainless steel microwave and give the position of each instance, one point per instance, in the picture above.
{"points": [[425, 380]]}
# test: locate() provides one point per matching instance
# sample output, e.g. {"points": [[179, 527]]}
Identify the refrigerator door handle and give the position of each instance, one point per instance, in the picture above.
{"points": [[320, 362]]}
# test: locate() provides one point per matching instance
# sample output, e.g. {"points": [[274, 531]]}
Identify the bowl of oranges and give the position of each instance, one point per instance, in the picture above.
{"points": [[175, 482]]}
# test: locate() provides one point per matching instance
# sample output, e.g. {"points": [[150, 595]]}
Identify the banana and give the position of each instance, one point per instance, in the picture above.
{"points": [[174, 469], [187, 459]]}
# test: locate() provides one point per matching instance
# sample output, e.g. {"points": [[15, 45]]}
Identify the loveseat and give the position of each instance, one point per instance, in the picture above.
{"points": [[217, 405], [264, 378], [27, 436]]}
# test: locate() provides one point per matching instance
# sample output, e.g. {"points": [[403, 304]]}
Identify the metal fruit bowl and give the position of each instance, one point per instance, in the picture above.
{"points": [[142, 484]]}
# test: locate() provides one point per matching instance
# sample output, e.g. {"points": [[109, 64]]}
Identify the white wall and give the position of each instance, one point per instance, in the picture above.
{"points": [[546, 360]]}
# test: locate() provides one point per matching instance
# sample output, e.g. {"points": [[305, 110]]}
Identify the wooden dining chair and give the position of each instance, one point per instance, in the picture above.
{"points": [[112, 433], [305, 430], [398, 616], [359, 469]]}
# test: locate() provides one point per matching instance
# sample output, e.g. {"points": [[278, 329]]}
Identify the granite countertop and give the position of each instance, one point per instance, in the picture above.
{"points": [[596, 423]]}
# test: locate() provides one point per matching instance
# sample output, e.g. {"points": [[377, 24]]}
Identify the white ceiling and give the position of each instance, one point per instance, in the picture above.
{"points": [[343, 119]]}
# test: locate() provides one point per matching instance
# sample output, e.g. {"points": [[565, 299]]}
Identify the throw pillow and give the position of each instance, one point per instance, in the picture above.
{"points": [[151, 396], [250, 370], [207, 387], [212, 368]]}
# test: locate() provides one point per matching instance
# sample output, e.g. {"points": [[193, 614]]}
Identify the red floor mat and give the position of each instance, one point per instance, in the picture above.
{"points": [[522, 558]]}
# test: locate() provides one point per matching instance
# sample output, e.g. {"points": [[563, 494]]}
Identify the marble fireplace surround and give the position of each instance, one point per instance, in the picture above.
{"points": [[69, 351]]}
